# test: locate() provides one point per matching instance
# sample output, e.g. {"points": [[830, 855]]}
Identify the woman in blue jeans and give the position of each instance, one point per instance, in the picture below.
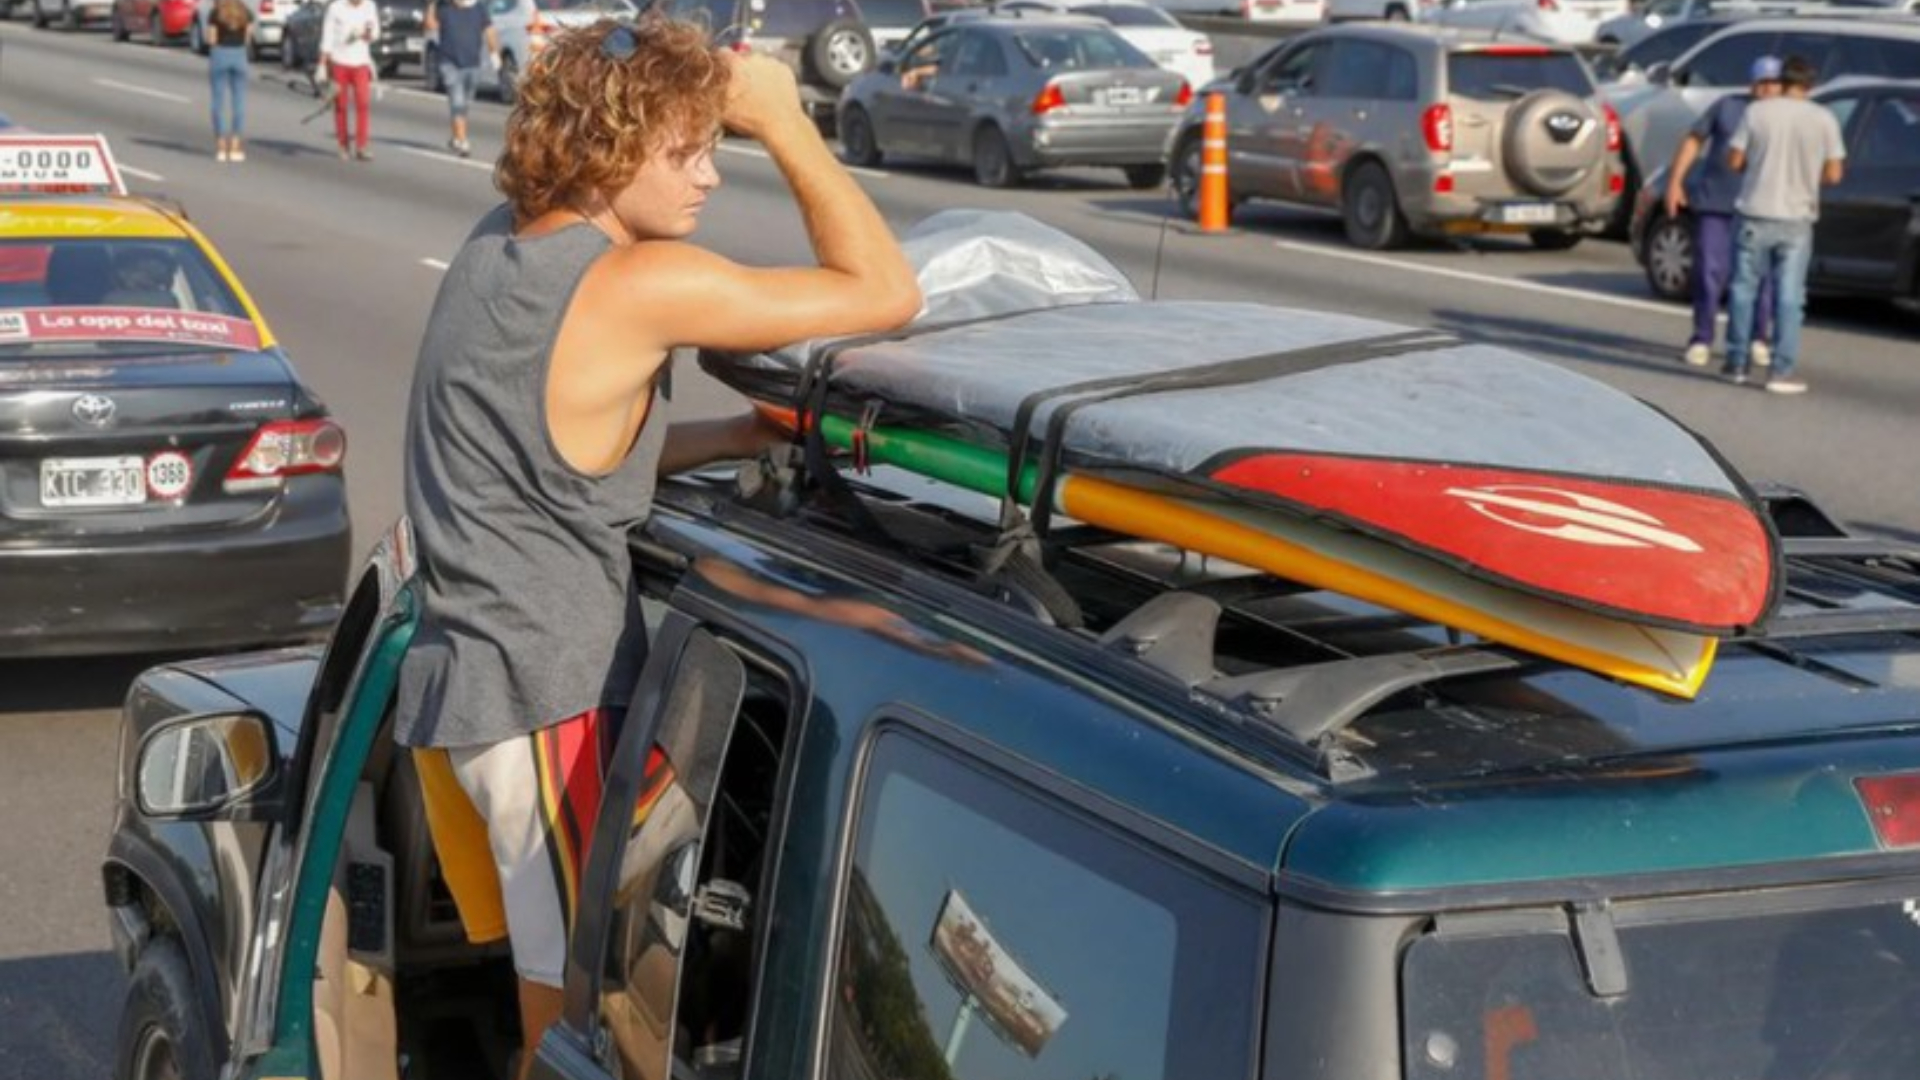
{"points": [[228, 29]]}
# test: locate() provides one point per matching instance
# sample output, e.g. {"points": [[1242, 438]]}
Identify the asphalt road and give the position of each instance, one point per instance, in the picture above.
{"points": [[345, 258]]}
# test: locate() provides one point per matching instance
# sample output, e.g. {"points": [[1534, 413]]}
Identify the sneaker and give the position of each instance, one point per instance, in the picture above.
{"points": [[363, 154], [1760, 354], [464, 149], [1697, 355], [346, 152], [237, 155], [1737, 378], [222, 155], [1786, 385]]}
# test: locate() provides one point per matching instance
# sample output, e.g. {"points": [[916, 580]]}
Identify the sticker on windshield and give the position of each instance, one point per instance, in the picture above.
{"points": [[127, 324]]}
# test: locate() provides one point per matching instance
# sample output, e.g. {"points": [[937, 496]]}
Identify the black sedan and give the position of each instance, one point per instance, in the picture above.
{"points": [[1867, 242], [165, 480]]}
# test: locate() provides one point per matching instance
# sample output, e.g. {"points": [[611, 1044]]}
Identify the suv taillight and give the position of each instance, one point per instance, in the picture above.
{"points": [[266, 7], [1048, 99], [1437, 125], [1185, 97], [1549, 5], [1892, 803], [1613, 128], [286, 448]]}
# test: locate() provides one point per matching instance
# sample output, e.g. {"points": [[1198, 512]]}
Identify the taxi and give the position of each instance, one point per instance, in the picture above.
{"points": [[166, 480]]}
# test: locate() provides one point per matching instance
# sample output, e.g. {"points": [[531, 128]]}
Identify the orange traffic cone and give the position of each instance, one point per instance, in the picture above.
{"points": [[1213, 165]]}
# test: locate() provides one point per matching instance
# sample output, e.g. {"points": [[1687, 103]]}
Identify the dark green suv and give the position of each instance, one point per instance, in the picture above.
{"points": [[1143, 816]]}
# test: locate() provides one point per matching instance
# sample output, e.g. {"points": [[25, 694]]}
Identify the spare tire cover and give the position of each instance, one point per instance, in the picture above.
{"points": [[1552, 142]]}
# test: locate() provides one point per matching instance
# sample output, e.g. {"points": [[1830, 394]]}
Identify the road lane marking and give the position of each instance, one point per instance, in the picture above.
{"points": [[435, 155], [434, 263], [754, 151], [409, 91], [129, 88], [152, 177], [1654, 306]]}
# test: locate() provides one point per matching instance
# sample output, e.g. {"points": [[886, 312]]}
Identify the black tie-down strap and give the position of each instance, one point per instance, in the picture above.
{"points": [[1015, 527]]}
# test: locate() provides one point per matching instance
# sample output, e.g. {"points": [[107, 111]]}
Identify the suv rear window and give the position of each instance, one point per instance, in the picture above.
{"points": [[1128, 14], [1492, 75], [1079, 50], [893, 14], [1819, 988]]}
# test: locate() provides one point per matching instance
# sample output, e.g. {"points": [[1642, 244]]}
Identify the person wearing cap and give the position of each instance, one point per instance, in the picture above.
{"points": [[1785, 149], [1709, 191]]}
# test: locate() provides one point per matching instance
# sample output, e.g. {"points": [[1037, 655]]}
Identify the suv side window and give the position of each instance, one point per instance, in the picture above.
{"points": [[1875, 56], [991, 930], [1370, 70], [1890, 137], [1292, 73], [1729, 62], [1816, 49]]}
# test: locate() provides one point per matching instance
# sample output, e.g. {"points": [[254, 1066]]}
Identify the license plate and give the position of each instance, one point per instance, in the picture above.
{"points": [[101, 481], [1123, 95], [416, 44], [1529, 213]]}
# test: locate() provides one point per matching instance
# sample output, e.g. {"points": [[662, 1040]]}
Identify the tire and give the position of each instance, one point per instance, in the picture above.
{"points": [[839, 53], [1555, 239], [1397, 13], [430, 72], [156, 33], [509, 84], [1667, 255], [289, 55], [993, 165], [255, 53], [39, 16], [389, 68], [70, 19], [161, 1036], [1371, 211], [1146, 177], [1183, 174], [857, 142], [197, 38], [117, 29]]}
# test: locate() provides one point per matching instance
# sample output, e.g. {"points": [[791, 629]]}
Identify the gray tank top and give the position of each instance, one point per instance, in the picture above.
{"points": [[530, 616]]}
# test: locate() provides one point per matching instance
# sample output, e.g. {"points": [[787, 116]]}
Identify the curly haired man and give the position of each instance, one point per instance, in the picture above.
{"points": [[537, 428]]}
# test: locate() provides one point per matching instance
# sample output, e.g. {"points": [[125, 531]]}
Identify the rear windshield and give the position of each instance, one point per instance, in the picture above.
{"points": [[1128, 14], [1076, 49], [56, 294], [1491, 76], [1826, 992], [893, 14]]}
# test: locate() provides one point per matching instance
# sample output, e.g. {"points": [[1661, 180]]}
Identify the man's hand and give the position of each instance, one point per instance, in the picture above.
{"points": [[762, 97], [1676, 199]]}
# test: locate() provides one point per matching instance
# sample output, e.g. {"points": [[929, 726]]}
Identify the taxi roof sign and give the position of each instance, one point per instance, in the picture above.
{"points": [[58, 165]]}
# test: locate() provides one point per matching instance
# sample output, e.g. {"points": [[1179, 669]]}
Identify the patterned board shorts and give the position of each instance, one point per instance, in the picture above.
{"points": [[512, 823]]}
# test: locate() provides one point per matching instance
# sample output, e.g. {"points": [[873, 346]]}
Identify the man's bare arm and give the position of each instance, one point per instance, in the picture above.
{"points": [[1683, 160], [1737, 159], [693, 443], [1835, 171]]}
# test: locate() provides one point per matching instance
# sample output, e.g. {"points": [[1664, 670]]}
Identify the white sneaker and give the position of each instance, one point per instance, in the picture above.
{"points": [[1697, 355], [1760, 354]]}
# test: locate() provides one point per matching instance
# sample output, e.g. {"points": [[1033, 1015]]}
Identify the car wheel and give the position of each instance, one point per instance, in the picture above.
{"points": [[1668, 257], [70, 18], [39, 17], [1146, 177], [160, 1031], [255, 52], [841, 52], [1185, 172], [1371, 211], [156, 33], [116, 26], [993, 159], [389, 68], [430, 72], [1555, 239], [289, 54], [857, 142], [1397, 13], [509, 88]]}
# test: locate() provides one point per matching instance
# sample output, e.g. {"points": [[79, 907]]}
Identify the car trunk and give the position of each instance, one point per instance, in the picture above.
{"points": [[1483, 87], [1118, 92], [93, 447]]}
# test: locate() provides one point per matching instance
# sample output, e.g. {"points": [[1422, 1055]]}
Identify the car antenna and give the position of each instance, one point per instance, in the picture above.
{"points": [[1159, 249]]}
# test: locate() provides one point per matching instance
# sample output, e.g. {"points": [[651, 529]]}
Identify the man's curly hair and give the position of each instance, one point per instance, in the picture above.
{"points": [[586, 120]]}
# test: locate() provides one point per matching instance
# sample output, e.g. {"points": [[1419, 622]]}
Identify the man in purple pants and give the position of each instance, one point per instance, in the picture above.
{"points": [[1709, 191]]}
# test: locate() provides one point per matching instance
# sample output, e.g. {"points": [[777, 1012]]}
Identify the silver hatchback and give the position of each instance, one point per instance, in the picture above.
{"points": [[1014, 94], [1415, 130]]}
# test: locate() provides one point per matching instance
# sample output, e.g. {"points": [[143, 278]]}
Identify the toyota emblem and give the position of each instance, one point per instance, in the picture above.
{"points": [[1563, 126], [94, 410]]}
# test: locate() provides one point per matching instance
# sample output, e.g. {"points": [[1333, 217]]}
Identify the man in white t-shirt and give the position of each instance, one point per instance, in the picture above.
{"points": [[347, 34]]}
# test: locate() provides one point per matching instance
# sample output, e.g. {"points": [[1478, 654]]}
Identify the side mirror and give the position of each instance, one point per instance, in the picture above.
{"points": [[203, 766], [887, 66], [1660, 73]]}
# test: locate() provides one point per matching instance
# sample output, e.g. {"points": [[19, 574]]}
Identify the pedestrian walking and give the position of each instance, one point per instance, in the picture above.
{"points": [[229, 31], [1702, 180], [466, 35], [1785, 148], [347, 33], [538, 425]]}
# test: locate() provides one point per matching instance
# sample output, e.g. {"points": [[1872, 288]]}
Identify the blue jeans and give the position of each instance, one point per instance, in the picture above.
{"points": [[1782, 248], [1712, 270], [228, 73], [461, 84]]}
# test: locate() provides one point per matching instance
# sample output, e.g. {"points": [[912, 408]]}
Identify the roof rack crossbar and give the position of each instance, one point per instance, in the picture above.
{"points": [[1833, 623], [1314, 701], [1847, 547]]}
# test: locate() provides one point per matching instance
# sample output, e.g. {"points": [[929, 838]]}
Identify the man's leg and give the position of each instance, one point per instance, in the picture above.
{"points": [[1748, 268], [1712, 267], [340, 92], [1793, 251], [363, 92]]}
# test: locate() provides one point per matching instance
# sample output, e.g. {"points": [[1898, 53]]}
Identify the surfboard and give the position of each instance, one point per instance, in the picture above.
{"points": [[1458, 481], [1673, 662]]}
